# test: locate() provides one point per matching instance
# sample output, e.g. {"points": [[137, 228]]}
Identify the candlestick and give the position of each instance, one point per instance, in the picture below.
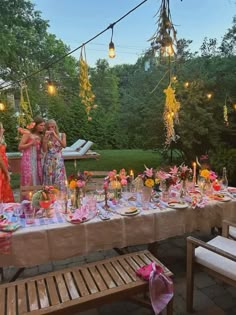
{"points": [[131, 174], [194, 169]]}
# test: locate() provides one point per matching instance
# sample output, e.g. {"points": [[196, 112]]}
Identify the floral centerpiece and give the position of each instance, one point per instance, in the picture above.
{"points": [[208, 175], [77, 183], [47, 195], [116, 180], [166, 179]]}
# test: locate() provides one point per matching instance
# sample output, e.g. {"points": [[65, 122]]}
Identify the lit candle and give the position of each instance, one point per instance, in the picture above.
{"points": [[75, 164], [131, 174], [30, 195], [194, 169]]}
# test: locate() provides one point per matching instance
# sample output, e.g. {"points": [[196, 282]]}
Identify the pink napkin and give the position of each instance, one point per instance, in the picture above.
{"points": [[80, 214], [160, 286]]}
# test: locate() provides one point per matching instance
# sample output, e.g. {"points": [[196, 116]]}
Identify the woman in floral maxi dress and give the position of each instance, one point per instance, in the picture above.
{"points": [[31, 161], [6, 194], [54, 169]]}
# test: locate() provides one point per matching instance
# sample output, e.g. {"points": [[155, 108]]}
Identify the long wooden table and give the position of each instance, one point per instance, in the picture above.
{"points": [[37, 245]]}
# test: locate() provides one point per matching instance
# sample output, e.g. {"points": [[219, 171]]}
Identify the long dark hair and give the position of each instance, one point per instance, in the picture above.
{"points": [[37, 120]]}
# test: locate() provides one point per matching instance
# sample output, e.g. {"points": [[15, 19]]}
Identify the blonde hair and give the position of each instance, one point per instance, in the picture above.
{"points": [[53, 122]]}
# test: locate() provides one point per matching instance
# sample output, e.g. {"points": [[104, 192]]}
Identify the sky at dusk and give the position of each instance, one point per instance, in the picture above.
{"points": [[76, 21]]}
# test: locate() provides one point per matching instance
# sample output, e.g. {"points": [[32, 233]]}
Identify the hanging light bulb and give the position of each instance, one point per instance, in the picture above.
{"points": [[209, 96], [51, 88], [2, 105], [111, 52], [186, 84]]}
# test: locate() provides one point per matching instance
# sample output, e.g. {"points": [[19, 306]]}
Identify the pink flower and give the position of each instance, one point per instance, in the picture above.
{"points": [[163, 175], [148, 172], [123, 181], [80, 183], [212, 175], [174, 170]]}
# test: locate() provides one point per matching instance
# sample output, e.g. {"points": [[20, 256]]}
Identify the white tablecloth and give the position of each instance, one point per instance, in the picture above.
{"points": [[36, 245]]}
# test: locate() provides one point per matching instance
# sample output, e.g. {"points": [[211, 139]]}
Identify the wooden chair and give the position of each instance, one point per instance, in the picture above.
{"points": [[228, 229], [26, 192], [216, 257]]}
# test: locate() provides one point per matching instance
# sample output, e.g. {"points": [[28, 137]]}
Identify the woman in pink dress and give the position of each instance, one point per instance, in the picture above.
{"points": [[31, 161], [6, 194]]}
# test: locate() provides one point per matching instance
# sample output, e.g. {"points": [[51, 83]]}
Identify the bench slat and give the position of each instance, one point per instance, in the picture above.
{"points": [[139, 262], [106, 277], [22, 303], [71, 285], [128, 269], [80, 283], [89, 281], [132, 263], [98, 279], [42, 292], [32, 295], [145, 258], [53, 296], [62, 288], [121, 272], [2, 299], [114, 274], [11, 301], [166, 270]]}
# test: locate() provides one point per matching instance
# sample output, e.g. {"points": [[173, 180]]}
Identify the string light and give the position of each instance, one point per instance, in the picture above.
{"points": [[111, 52], [209, 96], [51, 88], [2, 106], [186, 84], [74, 50]]}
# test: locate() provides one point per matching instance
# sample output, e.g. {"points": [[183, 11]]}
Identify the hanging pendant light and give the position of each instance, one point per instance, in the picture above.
{"points": [[2, 106], [51, 88], [111, 52]]}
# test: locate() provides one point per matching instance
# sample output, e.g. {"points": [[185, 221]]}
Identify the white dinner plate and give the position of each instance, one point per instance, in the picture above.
{"points": [[126, 213], [178, 205]]}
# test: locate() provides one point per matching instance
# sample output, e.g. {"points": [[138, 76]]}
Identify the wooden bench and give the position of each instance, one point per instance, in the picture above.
{"points": [[78, 288]]}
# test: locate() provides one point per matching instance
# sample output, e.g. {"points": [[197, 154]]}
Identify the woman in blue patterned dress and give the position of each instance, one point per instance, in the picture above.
{"points": [[53, 166]]}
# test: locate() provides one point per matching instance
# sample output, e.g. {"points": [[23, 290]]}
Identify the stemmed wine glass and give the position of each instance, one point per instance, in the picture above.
{"points": [[126, 194], [100, 191]]}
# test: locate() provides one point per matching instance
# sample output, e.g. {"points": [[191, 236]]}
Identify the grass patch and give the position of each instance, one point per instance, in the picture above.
{"points": [[109, 160]]}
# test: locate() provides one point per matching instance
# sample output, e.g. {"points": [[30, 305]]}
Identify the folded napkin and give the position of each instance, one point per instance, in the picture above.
{"points": [[6, 225], [160, 286], [81, 214]]}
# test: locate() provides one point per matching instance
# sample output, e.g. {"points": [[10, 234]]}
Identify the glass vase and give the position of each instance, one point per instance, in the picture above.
{"points": [[183, 189], [147, 192]]}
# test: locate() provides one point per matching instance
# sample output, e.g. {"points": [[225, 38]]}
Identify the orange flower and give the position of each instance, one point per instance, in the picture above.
{"points": [[73, 184], [205, 173]]}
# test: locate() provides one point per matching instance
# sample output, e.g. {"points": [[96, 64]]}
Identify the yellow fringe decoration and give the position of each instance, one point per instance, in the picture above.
{"points": [[170, 114], [226, 115], [85, 91], [25, 112]]}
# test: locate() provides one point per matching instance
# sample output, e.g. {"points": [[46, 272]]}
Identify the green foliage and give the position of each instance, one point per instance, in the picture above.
{"points": [[225, 158]]}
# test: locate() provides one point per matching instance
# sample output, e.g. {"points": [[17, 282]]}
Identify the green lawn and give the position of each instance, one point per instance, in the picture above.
{"points": [[109, 160]]}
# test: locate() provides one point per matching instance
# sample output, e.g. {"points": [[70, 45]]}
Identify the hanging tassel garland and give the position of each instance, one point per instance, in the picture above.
{"points": [[170, 114]]}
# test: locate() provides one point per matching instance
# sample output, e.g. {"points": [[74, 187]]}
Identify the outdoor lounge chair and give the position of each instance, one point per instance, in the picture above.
{"points": [[216, 257], [75, 146], [83, 152]]}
